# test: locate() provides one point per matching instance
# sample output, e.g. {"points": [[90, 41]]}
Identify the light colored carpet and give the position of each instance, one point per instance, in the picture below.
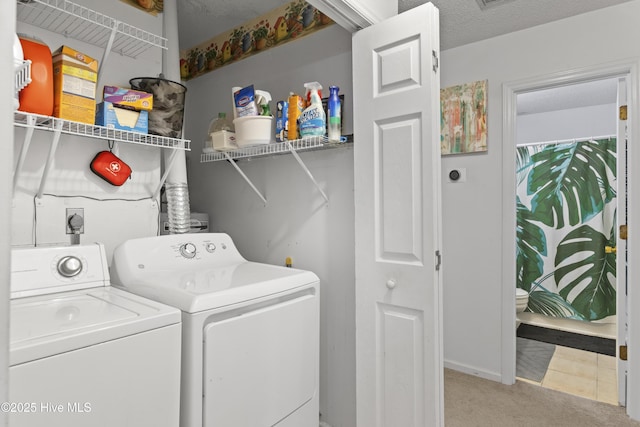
{"points": [[471, 401]]}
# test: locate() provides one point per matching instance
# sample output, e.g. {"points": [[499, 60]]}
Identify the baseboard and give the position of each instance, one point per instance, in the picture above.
{"points": [[493, 376]]}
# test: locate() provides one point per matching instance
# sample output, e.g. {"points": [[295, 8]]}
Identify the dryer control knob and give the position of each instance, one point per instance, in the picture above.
{"points": [[188, 250], [69, 266], [210, 247]]}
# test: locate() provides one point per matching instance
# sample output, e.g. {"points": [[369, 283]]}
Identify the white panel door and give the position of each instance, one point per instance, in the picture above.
{"points": [[396, 86]]}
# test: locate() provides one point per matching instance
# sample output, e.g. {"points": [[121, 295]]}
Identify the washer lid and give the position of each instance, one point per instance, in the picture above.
{"points": [[202, 289], [46, 325]]}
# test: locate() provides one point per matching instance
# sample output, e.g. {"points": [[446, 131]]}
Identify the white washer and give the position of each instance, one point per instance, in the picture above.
{"points": [[250, 346], [83, 353]]}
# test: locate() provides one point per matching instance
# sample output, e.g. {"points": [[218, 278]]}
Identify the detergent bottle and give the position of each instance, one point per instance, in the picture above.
{"points": [[313, 121]]}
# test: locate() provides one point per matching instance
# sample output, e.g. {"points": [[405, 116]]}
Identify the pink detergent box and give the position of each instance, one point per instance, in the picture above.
{"points": [[128, 98]]}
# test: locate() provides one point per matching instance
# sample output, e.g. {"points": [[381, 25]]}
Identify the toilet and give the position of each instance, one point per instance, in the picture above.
{"points": [[522, 299]]}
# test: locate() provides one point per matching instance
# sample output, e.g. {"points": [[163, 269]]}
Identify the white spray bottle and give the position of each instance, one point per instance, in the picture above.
{"points": [[313, 121]]}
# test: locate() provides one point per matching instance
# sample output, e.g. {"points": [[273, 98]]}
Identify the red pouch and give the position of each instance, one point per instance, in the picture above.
{"points": [[110, 168]]}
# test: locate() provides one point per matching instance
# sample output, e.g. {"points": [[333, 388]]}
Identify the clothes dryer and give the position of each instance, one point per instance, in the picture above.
{"points": [[250, 337]]}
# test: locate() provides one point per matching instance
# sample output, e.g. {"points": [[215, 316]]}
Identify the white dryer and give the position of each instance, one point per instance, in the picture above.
{"points": [[250, 350], [83, 353]]}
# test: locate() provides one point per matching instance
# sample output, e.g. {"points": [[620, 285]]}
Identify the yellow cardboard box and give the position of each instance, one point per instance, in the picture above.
{"points": [[74, 85]]}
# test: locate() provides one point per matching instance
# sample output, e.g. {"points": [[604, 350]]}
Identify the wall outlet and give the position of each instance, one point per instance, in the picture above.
{"points": [[457, 175], [75, 221]]}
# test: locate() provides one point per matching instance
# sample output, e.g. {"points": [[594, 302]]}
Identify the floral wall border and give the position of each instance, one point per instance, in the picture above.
{"points": [[281, 25]]}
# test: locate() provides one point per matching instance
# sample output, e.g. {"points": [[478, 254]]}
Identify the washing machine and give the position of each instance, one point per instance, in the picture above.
{"points": [[83, 353], [250, 331]]}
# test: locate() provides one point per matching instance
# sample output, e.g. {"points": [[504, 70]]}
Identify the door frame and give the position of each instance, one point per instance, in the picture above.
{"points": [[510, 90]]}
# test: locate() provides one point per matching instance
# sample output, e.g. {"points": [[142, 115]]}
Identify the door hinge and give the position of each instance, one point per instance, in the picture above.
{"points": [[623, 352], [623, 232], [438, 260], [435, 61], [623, 112]]}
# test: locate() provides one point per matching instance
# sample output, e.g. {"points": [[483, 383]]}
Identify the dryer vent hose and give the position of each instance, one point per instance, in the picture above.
{"points": [[178, 211]]}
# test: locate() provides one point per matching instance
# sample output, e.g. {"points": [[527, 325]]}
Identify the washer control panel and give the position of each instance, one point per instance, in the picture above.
{"points": [[49, 269]]}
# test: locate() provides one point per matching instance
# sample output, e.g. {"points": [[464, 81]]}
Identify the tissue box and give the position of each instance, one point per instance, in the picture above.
{"points": [[74, 85], [110, 116], [128, 98]]}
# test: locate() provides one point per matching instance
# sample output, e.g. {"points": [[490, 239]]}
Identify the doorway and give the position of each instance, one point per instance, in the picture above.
{"points": [[628, 379], [566, 185]]}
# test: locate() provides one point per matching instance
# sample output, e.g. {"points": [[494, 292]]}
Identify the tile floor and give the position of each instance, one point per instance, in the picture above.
{"points": [[582, 373]]}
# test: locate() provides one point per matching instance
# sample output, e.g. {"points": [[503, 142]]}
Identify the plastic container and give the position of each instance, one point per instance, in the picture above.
{"points": [[253, 130], [296, 106], [167, 116], [334, 121], [18, 58], [221, 123], [37, 97], [221, 135]]}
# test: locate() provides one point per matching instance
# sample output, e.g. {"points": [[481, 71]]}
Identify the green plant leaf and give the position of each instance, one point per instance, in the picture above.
{"points": [[581, 262], [551, 304], [575, 174], [531, 246]]}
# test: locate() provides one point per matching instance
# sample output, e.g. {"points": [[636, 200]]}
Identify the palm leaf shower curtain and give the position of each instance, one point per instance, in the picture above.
{"points": [[566, 207]]}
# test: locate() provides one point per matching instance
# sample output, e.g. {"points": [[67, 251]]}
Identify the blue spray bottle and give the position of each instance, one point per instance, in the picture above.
{"points": [[334, 121]]}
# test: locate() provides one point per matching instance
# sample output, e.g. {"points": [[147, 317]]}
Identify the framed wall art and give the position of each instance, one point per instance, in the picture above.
{"points": [[463, 118]]}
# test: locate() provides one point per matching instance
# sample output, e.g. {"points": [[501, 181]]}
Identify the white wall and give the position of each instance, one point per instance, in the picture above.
{"points": [[296, 222], [473, 230], [592, 121], [112, 214], [7, 26]]}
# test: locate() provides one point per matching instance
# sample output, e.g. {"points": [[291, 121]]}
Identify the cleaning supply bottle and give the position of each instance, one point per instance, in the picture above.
{"points": [[296, 106], [313, 121], [221, 123], [262, 100], [334, 130]]}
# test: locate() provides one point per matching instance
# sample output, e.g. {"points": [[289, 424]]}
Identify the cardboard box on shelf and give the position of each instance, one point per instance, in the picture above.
{"points": [[111, 116], [74, 85], [128, 98]]}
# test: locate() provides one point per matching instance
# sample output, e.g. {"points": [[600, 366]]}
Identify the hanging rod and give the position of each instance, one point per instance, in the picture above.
{"points": [[566, 141]]}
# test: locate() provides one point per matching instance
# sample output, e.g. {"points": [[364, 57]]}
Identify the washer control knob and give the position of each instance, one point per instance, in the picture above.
{"points": [[69, 266], [188, 250], [210, 247]]}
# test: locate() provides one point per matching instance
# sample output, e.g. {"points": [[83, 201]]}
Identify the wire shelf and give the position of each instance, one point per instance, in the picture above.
{"points": [[52, 124], [23, 75], [78, 22], [305, 144]]}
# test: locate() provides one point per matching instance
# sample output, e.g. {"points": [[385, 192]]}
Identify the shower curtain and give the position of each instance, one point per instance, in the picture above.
{"points": [[566, 209]]}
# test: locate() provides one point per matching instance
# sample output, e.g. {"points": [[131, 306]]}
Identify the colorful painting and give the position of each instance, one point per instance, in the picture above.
{"points": [[150, 6], [283, 24], [463, 119]]}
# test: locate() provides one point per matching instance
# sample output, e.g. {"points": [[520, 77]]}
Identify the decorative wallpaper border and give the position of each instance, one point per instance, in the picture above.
{"points": [[281, 25]]}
